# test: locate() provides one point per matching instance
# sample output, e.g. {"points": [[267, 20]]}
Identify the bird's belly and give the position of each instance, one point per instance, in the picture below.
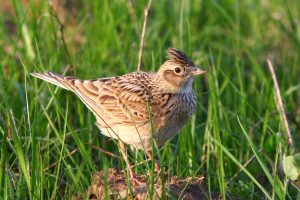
{"points": [[164, 128], [170, 129], [167, 133], [136, 137], [142, 139]]}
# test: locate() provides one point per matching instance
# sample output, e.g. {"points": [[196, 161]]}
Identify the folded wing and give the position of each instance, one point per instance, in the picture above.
{"points": [[123, 100]]}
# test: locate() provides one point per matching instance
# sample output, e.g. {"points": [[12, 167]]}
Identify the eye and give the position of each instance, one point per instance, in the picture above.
{"points": [[177, 70]]}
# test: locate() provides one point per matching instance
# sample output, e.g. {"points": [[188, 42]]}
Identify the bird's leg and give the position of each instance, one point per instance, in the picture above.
{"points": [[129, 167], [156, 162]]}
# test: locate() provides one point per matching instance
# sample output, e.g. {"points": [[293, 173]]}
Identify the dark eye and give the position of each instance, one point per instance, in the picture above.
{"points": [[177, 70]]}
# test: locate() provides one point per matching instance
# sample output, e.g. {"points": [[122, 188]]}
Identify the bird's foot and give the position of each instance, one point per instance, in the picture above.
{"points": [[157, 167], [136, 181]]}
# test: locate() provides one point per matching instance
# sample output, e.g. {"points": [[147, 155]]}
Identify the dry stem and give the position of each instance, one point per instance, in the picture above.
{"points": [[143, 35], [279, 103]]}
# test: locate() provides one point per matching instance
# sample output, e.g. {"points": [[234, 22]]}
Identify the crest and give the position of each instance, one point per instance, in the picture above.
{"points": [[179, 57]]}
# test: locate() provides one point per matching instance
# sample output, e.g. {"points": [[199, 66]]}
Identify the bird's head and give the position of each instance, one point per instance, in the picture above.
{"points": [[178, 72]]}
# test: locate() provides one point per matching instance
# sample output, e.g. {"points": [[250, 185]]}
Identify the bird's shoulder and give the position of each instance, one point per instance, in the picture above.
{"points": [[135, 86], [126, 95]]}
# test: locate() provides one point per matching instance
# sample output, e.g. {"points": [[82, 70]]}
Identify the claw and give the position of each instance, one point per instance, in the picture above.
{"points": [[135, 181], [156, 162]]}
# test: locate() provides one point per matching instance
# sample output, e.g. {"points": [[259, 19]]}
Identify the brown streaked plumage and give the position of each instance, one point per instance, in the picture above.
{"points": [[121, 104]]}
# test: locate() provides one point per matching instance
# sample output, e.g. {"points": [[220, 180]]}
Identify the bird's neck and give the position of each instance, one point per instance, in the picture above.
{"points": [[160, 85]]}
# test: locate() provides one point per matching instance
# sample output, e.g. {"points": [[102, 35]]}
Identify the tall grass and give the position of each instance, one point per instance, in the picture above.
{"points": [[47, 134]]}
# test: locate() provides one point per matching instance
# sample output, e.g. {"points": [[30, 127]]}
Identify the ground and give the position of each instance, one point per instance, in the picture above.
{"points": [[115, 184]]}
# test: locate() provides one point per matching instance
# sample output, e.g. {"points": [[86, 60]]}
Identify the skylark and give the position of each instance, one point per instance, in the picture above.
{"points": [[137, 107]]}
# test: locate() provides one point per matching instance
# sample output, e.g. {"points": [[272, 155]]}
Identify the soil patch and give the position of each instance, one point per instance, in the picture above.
{"points": [[115, 185]]}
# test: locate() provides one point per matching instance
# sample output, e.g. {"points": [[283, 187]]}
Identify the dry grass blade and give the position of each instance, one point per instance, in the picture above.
{"points": [[62, 32], [143, 35], [279, 103], [106, 152]]}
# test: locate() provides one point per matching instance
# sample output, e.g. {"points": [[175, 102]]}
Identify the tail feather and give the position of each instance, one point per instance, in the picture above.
{"points": [[59, 80], [72, 84]]}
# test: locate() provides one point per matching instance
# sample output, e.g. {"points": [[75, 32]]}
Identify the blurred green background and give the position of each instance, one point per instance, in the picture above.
{"points": [[48, 138]]}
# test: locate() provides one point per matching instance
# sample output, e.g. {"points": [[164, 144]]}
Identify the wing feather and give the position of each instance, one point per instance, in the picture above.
{"points": [[115, 100]]}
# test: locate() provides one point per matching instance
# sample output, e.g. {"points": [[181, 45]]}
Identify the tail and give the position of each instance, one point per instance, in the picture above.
{"points": [[85, 90], [65, 82]]}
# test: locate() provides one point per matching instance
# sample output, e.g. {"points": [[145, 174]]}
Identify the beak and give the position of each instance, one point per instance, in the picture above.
{"points": [[196, 71]]}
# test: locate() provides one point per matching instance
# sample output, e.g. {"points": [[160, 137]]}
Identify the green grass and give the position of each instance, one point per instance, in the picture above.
{"points": [[47, 135]]}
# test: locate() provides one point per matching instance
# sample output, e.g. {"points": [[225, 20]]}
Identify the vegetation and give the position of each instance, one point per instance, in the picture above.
{"points": [[49, 145]]}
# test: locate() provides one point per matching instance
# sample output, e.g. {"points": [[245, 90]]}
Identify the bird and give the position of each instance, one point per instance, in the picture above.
{"points": [[139, 107]]}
